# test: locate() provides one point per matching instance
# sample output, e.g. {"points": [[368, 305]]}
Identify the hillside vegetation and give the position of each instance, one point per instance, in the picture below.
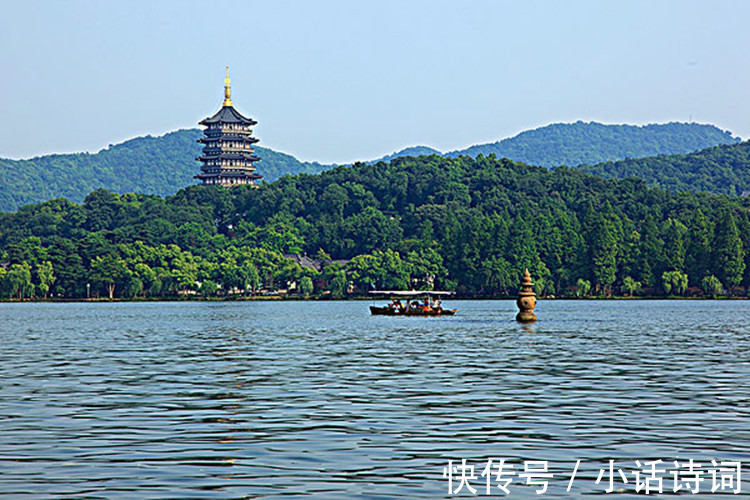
{"points": [[152, 165], [162, 165], [573, 144], [467, 224], [579, 143], [721, 169]]}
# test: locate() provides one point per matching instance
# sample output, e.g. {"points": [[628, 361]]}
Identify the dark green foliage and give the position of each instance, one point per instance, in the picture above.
{"points": [[605, 247], [428, 222], [162, 165], [152, 165], [674, 245], [410, 151], [698, 255], [674, 282], [711, 285], [650, 265], [720, 169], [728, 254], [578, 143]]}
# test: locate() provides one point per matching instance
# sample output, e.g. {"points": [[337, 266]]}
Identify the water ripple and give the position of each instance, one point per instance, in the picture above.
{"points": [[248, 400]]}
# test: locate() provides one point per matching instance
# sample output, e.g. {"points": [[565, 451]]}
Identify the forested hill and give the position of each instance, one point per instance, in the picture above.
{"points": [[153, 165], [162, 165], [577, 143], [410, 151], [721, 169], [467, 224]]}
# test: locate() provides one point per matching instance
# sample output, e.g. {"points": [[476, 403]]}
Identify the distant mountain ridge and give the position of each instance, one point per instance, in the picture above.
{"points": [[410, 151], [579, 143], [163, 165]]}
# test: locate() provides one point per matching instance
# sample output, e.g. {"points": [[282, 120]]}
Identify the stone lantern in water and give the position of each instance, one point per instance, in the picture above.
{"points": [[526, 300]]}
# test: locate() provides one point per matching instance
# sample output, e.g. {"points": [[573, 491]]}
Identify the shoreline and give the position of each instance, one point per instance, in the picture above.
{"points": [[328, 299]]}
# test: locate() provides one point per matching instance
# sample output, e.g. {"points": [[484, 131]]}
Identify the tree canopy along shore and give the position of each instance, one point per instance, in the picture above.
{"points": [[466, 224]]}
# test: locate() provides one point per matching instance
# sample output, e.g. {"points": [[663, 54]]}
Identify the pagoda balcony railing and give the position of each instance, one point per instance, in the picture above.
{"points": [[224, 129], [213, 134], [229, 143], [234, 127], [232, 156], [243, 165], [212, 150], [209, 139]]}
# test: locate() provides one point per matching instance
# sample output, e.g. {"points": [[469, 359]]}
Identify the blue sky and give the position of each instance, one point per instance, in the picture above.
{"points": [[338, 81]]}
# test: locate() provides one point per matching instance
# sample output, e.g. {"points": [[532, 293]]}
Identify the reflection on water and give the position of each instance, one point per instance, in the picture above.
{"points": [[227, 400]]}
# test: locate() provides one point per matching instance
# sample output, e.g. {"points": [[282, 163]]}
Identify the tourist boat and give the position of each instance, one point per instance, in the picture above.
{"points": [[416, 303]]}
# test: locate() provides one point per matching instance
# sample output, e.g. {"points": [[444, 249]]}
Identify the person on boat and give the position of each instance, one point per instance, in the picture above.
{"points": [[435, 304]]}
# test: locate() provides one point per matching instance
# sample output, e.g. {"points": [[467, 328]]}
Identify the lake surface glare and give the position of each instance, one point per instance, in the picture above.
{"points": [[293, 399]]}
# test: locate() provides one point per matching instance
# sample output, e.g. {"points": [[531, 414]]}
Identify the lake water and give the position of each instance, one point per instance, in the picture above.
{"points": [[288, 399]]}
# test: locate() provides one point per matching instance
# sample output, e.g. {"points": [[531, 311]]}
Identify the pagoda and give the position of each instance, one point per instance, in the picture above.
{"points": [[228, 156]]}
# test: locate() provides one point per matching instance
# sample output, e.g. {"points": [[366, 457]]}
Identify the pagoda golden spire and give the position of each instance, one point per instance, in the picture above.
{"points": [[227, 90]]}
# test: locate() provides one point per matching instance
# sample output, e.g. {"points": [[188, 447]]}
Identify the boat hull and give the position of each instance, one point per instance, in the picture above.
{"points": [[389, 311]]}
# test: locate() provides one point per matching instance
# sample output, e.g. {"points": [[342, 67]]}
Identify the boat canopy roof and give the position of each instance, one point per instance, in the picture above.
{"points": [[412, 293]]}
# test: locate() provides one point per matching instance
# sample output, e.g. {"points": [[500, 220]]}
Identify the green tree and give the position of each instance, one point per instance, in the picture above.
{"points": [[280, 237], [336, 199], [109, 271], [583, 287], [651, 254], [45, 277], [208, 288], [132, 287], [674, 282], [102, 208], [522, 250], [674, 245], [18, 281], [711, 285], [384, 270], [192, 236], [252, 278], [424, 267], [496, 275], [147, 276], [338, 284], [698, 254], [306, 286], [372, 230], [184, 270], [630, 286], [604, 250], [70, 272], [729, 257], [242, 277], [322, 256], [287, 272]]}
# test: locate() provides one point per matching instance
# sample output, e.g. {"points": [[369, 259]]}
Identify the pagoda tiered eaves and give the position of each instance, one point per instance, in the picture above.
{"points": [[228, 156], [228, 115]]}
